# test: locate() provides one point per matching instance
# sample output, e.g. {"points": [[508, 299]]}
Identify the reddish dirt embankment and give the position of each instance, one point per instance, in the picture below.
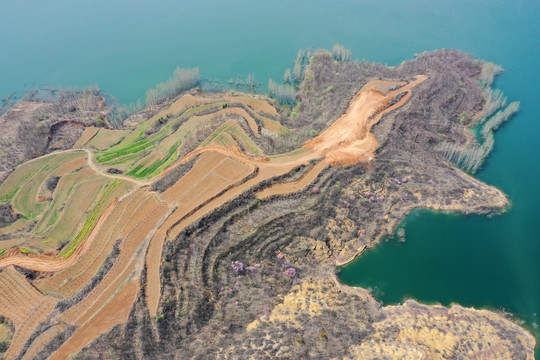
{"points": [[349, 140]]}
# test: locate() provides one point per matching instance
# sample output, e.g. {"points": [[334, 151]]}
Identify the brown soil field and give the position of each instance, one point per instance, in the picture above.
{"points": [[112, 313], [23, 305], [121, 269], [206, 162], [349, 140], [82, 272], [42, 340], [68, 281]]}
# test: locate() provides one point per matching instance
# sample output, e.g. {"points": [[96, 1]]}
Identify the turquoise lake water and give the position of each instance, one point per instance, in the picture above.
{"points": [[128, 46]]}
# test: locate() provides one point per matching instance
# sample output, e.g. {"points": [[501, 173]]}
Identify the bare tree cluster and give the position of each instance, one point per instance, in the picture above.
{"points": [[489, 71], [287, 77], [285, 94], [341, 53], [120, 112], [471, 157], [182, 79]]}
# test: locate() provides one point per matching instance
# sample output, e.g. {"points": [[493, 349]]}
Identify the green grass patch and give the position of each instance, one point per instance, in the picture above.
{"points": [[25, 250], [91, 220], [224, 140], [53, 213], [2, 252]]}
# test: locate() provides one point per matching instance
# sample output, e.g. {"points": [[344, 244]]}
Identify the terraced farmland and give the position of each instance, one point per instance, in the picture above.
{"points": [[76, 213], [96, 225]]}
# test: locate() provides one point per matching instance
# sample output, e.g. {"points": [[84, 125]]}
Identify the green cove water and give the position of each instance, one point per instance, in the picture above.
{"points": [[127, 47]]}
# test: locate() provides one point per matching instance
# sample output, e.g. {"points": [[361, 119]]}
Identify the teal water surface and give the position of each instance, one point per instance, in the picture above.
{"points": [[128, 46]]}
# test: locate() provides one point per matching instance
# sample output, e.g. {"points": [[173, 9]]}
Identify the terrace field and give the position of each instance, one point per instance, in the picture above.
{"points": [[215, 221]]}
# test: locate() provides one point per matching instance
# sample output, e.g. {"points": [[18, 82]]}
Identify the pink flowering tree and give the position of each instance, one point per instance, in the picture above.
{"points": [[290, 272], [237, 266]]}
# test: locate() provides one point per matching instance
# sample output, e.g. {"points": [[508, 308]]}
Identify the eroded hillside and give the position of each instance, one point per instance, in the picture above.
{"points": [[211, 229]]}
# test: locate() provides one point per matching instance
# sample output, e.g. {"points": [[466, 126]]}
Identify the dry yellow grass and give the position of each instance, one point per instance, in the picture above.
{"points": [[86, 136], [105, 138]]}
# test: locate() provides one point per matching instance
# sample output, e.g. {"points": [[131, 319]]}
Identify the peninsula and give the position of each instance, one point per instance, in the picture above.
{"points": [[209, 225]]}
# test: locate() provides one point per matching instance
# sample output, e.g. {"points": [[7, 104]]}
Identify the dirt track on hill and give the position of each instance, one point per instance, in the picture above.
{"points": [[349, 140]]}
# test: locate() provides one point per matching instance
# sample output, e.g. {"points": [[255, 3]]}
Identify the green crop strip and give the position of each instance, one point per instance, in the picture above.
{"points": [[224, 140], [91, 220], [133, 144], [2, 252], [155, 167], [244, 139], [215, 134], [130, 149], [9, 196], [53, 212]]}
